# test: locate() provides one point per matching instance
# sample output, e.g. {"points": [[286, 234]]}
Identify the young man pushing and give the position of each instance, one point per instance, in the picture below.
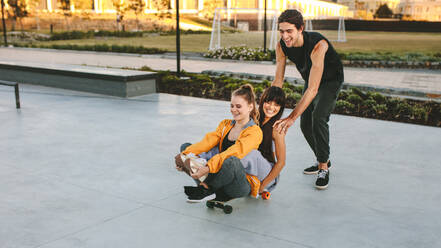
{"points": [[321, 69]]}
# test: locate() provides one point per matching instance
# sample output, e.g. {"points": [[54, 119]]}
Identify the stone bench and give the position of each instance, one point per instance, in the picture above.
{"points": [[107, 81], [17, 94]]}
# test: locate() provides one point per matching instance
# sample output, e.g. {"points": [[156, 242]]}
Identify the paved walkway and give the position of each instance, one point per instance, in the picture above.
{"points": [[91, 171], [426, 81]]}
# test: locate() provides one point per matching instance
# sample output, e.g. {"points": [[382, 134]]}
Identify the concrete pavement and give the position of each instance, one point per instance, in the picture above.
{"points": [[84, 170], [425, 81]]}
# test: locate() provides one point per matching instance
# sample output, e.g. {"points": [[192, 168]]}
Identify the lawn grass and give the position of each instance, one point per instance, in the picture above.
{"points": [[357, 41]]}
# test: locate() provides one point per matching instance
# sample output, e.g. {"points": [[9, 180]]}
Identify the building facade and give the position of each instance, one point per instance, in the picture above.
{"points": [[313, 8], [420, 10], [428, 10]]}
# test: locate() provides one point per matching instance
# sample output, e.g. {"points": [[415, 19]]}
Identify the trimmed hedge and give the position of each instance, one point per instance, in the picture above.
{"points": [[99, 48], [77, 34], [352, 102]]}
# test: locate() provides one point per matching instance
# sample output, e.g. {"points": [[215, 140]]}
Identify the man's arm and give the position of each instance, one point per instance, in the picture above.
{"points": [[280, 67], [315, 76]]}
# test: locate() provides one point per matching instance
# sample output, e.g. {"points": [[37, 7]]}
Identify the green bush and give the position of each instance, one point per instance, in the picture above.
{"points": [[354, 99], [404, 109], [379, 98], [380, 109], [358, 92], [344, 107], [420, 113]]}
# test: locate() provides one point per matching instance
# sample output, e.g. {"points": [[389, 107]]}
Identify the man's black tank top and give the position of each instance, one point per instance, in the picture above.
{"points": [[301, 56]]}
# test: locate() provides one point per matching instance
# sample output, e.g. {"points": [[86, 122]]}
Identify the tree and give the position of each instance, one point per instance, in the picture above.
{"points": [[35, 5], [383, 12], [121, 8], [137, 6], [17, 11], [162, 6], [210, 6], [82, 4], [67, 12]]}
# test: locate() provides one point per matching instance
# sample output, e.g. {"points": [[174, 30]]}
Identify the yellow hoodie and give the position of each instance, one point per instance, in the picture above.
{"points": [[249, 139]]}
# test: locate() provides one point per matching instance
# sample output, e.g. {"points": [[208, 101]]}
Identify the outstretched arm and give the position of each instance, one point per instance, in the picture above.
{"points": [[280, 67], [315, 76], [279, 140]]}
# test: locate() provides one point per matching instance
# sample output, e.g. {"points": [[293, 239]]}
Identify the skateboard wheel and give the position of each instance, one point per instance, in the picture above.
{"points": [[266, 195], [228, 209], [209, 204]]}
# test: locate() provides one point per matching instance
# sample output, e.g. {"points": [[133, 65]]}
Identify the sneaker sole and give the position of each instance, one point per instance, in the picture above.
{"points": [[207, 198], [310, 172], [321, 187]]}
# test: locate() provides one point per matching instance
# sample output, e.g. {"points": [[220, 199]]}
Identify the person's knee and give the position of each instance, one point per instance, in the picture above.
{"points": [[184, 146], [231, 162], [319, 118]]}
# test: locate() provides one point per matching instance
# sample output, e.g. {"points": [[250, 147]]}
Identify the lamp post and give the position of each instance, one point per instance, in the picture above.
{"points": [[264, 30], [178, 41], [4, 23]]}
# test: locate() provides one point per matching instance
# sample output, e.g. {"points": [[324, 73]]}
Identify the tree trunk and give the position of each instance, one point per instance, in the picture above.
{"points": [[13, 24], [37, 21], [21, 24]]}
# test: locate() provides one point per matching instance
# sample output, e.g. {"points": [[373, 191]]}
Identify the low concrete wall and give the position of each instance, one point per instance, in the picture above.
{"points": [[114, 82]]}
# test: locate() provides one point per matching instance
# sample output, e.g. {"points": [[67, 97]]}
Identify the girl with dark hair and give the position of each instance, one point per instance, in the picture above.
{"points": [[271, 107], [263, 163]]}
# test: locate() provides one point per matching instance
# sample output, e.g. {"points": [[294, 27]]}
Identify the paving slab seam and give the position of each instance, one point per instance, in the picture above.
{"points": [[89, 226], [234, 227]]}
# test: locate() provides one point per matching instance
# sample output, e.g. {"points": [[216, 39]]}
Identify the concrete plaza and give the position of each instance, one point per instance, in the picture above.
{"points": [[86, 170]]}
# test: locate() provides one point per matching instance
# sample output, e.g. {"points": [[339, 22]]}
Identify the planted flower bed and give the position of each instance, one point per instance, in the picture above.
{"points": [[352, 102], [353, 59]]}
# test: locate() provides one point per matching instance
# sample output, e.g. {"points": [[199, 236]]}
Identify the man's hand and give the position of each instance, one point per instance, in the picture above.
{"points": [[202, 171], [282, 125]]}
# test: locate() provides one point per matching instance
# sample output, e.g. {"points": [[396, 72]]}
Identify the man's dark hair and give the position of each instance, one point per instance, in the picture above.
{"points": [[292, 16]]}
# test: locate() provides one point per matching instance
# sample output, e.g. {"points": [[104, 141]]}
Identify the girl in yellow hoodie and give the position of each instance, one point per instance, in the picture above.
{"points": [[223, 149]]}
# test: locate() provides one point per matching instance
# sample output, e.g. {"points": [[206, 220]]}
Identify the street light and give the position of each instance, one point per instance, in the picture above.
{"points": [[178, 41], [264, 30], [4, 23]]}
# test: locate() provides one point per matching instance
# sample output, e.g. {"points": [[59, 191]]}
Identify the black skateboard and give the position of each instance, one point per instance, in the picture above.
{"points": [[228, 209]]}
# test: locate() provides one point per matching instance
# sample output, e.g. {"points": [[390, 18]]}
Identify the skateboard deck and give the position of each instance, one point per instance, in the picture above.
{"points": [[228, 209]]}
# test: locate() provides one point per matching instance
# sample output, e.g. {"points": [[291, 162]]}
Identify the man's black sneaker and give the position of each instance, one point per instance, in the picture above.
{"points": [[314, 169], [200, 194], [322, 179]]}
